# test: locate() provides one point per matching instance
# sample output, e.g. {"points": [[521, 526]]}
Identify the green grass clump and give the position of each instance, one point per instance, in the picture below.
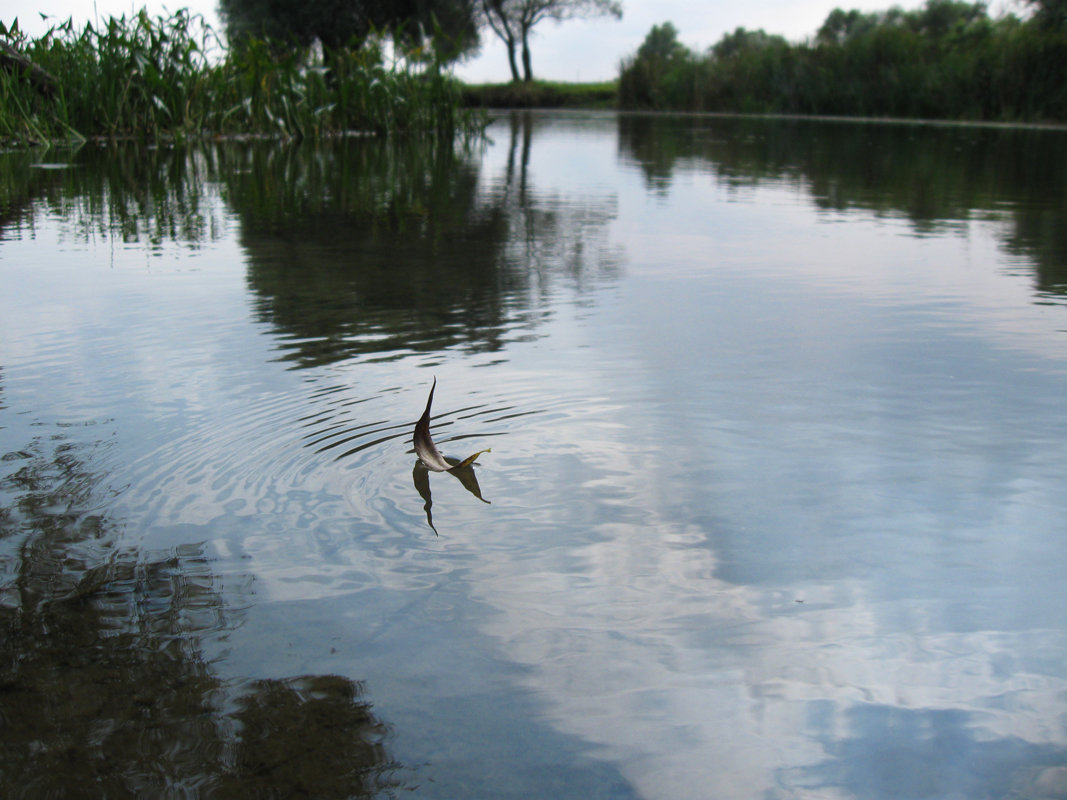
{"points": [[163, 78]]}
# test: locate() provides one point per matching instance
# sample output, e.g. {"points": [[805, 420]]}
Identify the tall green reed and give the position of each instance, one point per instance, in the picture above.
{"points": [[160, 78]]}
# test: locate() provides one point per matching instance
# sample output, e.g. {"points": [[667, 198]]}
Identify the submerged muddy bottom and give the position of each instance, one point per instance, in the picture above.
{"points": [[773, 506]]}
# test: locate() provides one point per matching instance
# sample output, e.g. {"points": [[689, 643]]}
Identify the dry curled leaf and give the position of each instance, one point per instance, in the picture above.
{"points": [[427, 451]]}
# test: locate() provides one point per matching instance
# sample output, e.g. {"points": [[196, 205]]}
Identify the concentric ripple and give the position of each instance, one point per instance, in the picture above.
{"points": [[322, 437]]}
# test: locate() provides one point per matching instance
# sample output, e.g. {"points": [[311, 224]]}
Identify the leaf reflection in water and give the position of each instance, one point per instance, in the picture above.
{"points": [[420, 476]]}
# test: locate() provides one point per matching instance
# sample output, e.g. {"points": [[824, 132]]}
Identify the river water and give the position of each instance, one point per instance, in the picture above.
{"points": [[774, 506]]}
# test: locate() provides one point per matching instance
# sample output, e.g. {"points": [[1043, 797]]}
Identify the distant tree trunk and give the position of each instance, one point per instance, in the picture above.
{"points": [[527, 69], [511, 59], [512, 20], [496, 16]]}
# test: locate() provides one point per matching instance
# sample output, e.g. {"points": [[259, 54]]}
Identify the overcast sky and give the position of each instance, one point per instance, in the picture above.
{"points": [[583, 50]]}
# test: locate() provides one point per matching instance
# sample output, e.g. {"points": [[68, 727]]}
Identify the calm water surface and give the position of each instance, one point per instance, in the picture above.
{"points": [[774, 507]]}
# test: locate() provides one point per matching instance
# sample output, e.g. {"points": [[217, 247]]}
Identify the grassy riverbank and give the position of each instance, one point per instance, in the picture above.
{"points": [[169, 78], [542, 94]]}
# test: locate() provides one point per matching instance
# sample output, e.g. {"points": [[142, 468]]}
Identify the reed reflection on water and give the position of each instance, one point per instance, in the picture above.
{"points": [[106, 691], [773, 502]]}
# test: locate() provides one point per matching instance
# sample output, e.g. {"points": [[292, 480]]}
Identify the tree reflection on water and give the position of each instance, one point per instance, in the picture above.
{"points": [[375, 250], [934, 176], [104, 687], [387, 248]]}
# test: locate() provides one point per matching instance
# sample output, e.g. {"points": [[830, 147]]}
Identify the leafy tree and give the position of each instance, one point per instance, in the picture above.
{"points": [[945, 59], [512, 21], [1050, 14], [449, 25], [648, 79], [661, 44], [938, 18], [741, 40], [840, 26]]}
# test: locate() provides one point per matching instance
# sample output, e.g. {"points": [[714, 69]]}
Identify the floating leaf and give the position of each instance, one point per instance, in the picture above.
{"points": [[427, 451]]}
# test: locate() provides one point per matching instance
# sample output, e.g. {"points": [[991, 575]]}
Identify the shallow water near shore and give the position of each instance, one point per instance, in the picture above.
{"points": [[773, 506]]}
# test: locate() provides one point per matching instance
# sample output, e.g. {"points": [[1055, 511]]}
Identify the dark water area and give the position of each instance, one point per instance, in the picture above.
{"points": [[774, 505]]}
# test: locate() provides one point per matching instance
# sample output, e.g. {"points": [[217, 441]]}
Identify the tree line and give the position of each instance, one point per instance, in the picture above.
{"points": [[947, 59], [449, 29]]}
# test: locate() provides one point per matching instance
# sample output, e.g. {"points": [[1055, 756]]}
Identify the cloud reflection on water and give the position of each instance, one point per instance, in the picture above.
{"points": [[775, 512]]}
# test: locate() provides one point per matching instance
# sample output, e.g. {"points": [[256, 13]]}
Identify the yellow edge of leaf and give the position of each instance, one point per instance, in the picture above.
{"points": [[470, 459]]}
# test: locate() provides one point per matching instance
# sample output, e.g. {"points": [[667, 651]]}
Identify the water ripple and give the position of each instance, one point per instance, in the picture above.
{"points": [[320, 435]]}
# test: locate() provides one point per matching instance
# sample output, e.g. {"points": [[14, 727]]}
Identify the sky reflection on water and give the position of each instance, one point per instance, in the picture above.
{"points": [[775, 411]]}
